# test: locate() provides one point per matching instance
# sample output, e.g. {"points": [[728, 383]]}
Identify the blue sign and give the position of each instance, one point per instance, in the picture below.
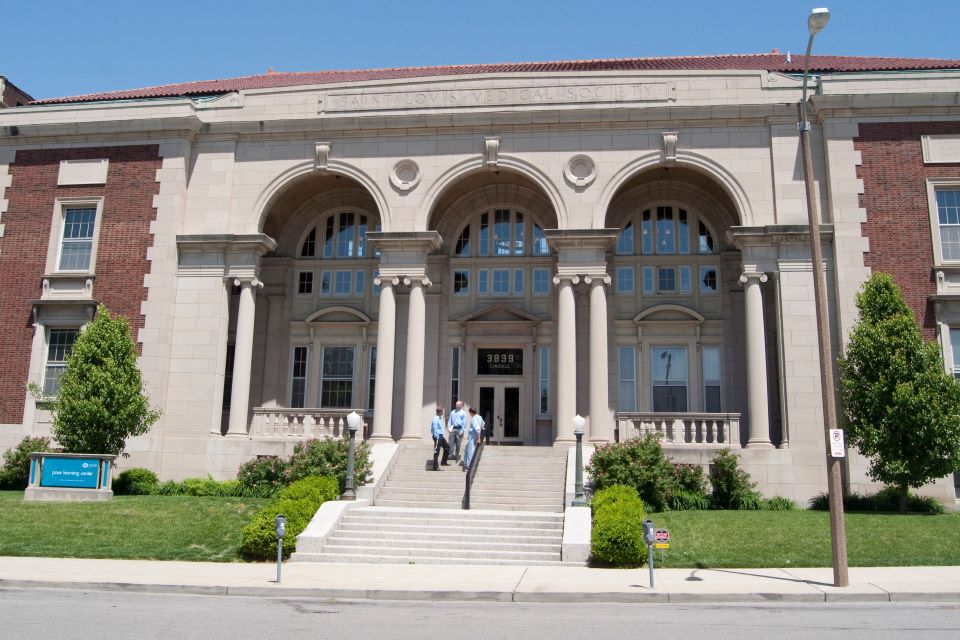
{"points": [[80, 473]]}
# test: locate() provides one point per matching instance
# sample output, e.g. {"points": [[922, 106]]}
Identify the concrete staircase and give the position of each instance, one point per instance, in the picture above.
{"points": [[516, 514]]}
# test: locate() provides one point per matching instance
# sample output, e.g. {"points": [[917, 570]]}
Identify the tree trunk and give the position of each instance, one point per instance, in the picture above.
{"points": [[903, 498]]}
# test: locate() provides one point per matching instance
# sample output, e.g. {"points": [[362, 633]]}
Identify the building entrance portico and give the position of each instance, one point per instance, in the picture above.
{"points": [[501, 405]]}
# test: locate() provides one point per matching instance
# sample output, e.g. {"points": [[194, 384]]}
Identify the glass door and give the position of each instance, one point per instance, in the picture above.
{"points": [[501, 407]]}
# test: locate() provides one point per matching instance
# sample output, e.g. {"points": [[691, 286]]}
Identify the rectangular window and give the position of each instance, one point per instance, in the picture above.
{"points": [[336, 385], [454, 375], [518, 282], [666, 236], [324, 283], [298, 384], [711, 379], [484, 248], [649, 287], [501, 232], [683, 232], [955, 348], [483, 283], [541, 282], [540, 246], [343, 283], [501, 281], [666, 279], [518, 235], [59, 345], [359, 282], [646, 233], [708, 279], [544, 371], [668, 373], [624, 279], [345, 236], [371, 393], [228, 377], [77, 243], [461, 282], [625, 241], [685, 286], [305, 283], [328, 239], [948, 213], [627, 397]]}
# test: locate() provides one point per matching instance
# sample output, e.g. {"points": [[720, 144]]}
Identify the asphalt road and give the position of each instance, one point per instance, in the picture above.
{"points": [[41, 614]]}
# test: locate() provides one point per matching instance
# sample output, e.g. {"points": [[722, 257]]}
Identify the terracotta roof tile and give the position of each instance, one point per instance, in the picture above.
{"points": [[751, 62]]}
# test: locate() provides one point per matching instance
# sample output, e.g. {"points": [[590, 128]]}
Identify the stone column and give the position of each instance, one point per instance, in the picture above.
{"points": [[386, 339], [757, 404], [599, 375], [242, 357], [413, 419], [566, 358]]}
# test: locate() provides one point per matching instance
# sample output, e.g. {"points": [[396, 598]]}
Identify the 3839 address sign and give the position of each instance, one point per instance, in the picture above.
{"points": [[499, 362]]}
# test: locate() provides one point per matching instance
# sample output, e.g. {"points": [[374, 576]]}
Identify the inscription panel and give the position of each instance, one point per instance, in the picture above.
{"points": [[941, 149], [516, 96]]}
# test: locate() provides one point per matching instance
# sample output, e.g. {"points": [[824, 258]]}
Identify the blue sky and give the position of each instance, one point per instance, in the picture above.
{"points": [[65, 47]]}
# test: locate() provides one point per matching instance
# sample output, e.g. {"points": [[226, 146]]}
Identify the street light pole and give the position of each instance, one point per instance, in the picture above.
{"points": [[353, 423], [838, 537]]}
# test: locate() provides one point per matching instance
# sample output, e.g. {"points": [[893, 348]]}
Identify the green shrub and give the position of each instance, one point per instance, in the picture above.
{"points": [[689, 501], [15, 473], [885, 500], [691, 492], [779, 503], [298, 503], [617, 536], [169, 488], [136, 482], [263, 477], [616, 495], [328, 457], [638, 463], [732, 487]]}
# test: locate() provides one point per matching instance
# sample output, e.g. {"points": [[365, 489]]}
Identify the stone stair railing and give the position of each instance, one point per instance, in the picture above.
{"points": [[683, 429], [284, 422]]}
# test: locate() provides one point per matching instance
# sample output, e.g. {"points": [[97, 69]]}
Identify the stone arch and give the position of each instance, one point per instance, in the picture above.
{"points": [[306, 170], [298, 224], [669, 313], [456, 174], [742, 209]]}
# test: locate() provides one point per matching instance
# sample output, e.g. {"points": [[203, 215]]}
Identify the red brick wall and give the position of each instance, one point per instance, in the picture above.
{"points": [[121, 249], [898, 214]]}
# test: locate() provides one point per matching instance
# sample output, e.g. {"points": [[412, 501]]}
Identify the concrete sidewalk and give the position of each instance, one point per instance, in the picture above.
{"points": [[492, 583]]}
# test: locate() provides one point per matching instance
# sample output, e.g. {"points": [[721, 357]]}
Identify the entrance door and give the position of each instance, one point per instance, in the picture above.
{"points": [[501, 409]]}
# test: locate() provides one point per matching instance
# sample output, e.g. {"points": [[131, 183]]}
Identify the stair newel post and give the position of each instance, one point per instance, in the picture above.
{"points": [[578, 499]]}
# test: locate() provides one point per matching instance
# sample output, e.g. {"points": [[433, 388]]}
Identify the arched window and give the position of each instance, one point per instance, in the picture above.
{"points": [[344, 235], [664, 230], [501, 233]]}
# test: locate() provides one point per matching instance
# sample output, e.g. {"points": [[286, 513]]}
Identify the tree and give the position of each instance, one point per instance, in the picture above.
{"points": [[101, 401], [901, 409]]}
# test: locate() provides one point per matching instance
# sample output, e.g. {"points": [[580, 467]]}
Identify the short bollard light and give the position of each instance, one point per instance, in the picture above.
{"points": [[280, 522], [579, 422], [649, 537], [353, 423]]}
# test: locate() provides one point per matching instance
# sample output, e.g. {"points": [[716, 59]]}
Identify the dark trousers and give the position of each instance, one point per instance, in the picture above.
{"points": [[440, 443]]}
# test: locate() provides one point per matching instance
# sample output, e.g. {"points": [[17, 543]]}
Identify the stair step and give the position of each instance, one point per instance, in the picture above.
{"points": [[443, 533], [444, 552], [336, 557], [412, 545]]}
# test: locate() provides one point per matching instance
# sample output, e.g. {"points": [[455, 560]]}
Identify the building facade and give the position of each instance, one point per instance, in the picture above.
{"points": [[626, 240]]}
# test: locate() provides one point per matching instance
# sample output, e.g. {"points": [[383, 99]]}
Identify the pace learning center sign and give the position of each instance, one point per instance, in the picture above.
{"points": [[80, 473]]}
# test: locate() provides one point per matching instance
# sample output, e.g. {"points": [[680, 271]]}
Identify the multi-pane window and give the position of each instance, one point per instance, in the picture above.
{"points": [[500, 233], [76, 246], [305, 282], [344, 236], [627, 398], [711, 378], [461, 282], [664, 230], [544, 379], [625, 279], [298, 385], [708, 279], [668, 375], [59, 345], [948, 214], [501, 281], [541, 282], [343, 283], [371, 391], [454, 375], [336, 384]]}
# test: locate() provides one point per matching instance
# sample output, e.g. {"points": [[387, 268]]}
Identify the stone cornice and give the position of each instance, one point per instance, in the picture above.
{"points": [[413, 241], [258, 243], [775, 235], [560, 239]]}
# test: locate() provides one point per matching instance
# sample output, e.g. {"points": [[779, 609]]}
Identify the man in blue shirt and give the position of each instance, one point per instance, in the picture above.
{"points": [[439, 442], [457, 423], [473, 438]]}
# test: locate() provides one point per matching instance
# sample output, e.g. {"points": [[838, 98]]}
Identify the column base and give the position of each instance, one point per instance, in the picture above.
{"points": [[565, 441], [759, 444], [235, 434], [380, 438], [410, 438]]}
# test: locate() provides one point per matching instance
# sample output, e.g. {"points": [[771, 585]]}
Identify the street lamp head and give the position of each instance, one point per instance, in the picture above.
{"points": [[353, 421], [818, 20], [579, 422]]}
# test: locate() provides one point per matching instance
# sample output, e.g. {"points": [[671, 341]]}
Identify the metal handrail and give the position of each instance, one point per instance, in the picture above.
{"points": [[471, 470]]}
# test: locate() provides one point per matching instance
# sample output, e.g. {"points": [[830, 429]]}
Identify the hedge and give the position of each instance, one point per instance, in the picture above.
{"points": [[298, 503]]}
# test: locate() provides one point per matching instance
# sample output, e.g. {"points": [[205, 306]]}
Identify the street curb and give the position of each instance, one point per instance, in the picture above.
{"points": [[560, 597]]}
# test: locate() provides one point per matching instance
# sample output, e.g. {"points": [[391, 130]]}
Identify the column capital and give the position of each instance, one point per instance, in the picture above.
{"points": [[418, 280], [598, 280], [751, 275], [239, 281], [572, 278], [386, 281]]}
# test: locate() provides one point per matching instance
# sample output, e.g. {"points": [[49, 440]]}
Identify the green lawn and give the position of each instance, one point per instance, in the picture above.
{"points": [[129, 527], [727, 539]]}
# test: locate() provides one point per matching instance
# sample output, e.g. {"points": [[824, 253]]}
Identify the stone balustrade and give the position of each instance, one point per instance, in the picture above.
{"points": [[682, 429], [285, 422]]}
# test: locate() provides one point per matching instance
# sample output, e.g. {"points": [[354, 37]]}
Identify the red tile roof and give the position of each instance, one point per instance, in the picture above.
{"points": [[749, 62]]}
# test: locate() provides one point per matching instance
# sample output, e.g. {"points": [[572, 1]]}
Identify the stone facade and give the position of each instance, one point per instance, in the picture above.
{"points": [[626, 245]]}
